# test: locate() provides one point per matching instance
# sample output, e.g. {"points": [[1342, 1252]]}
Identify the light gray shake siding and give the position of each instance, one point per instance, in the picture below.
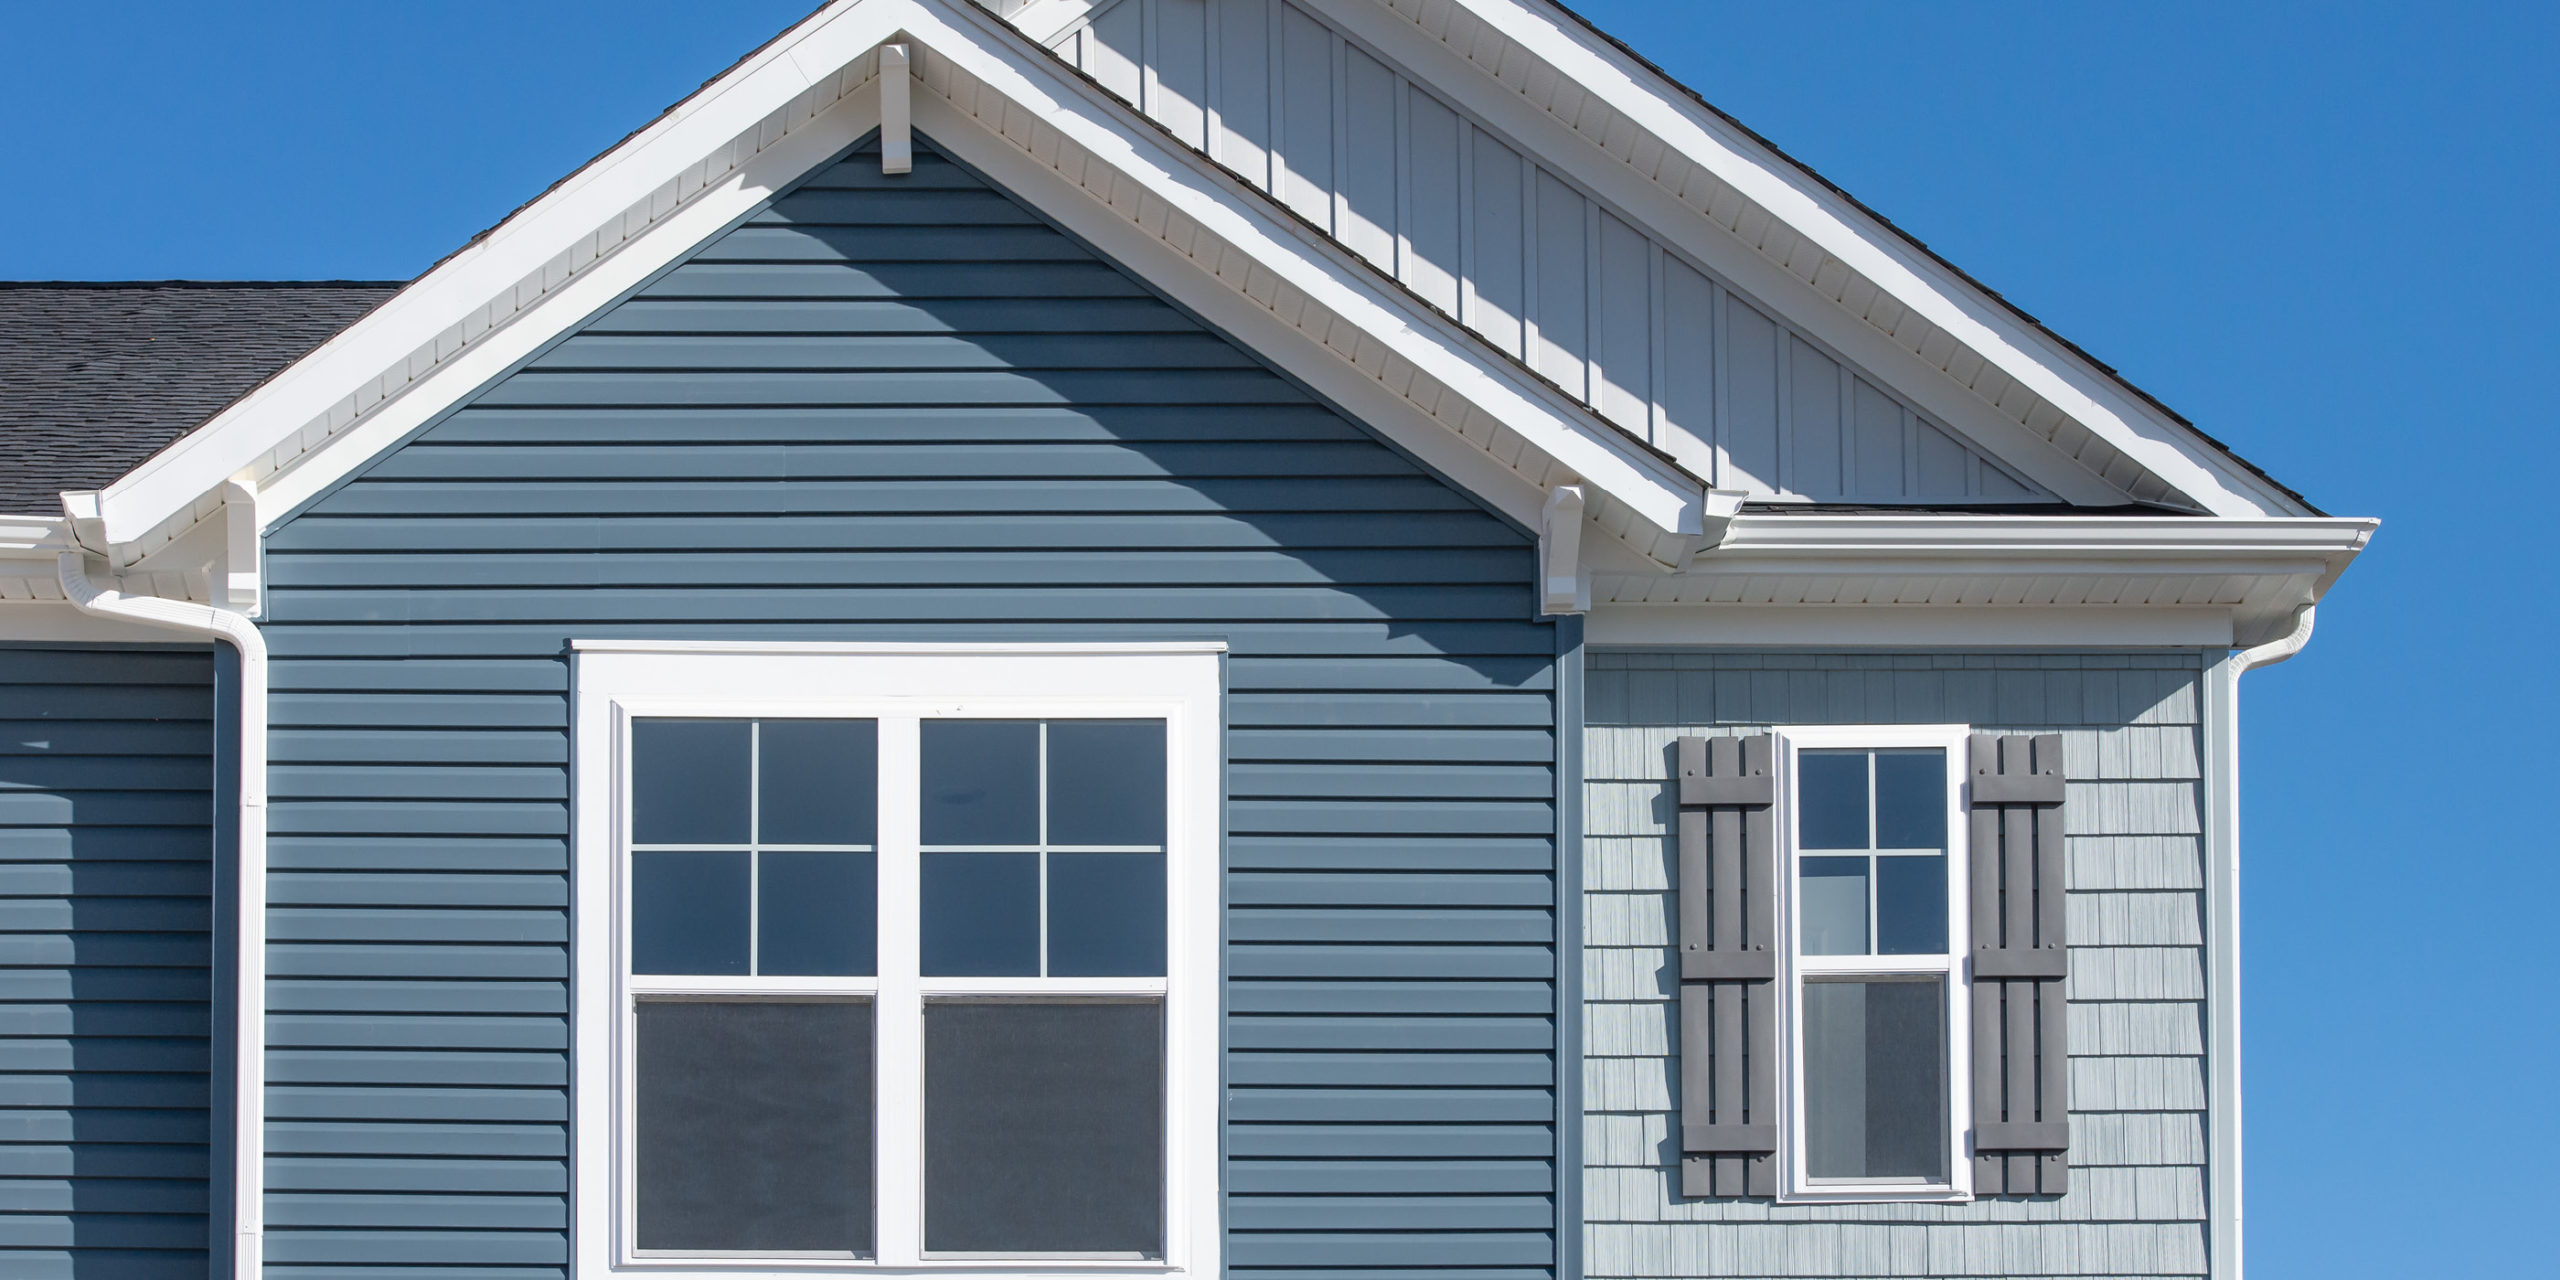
{"points": [[2131, 740], [908, 408]]}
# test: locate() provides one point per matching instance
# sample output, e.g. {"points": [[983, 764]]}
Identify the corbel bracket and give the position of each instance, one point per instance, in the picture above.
{"points": [[1562, 586]]}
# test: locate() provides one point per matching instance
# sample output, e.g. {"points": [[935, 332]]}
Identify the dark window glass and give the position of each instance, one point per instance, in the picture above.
{"points": [[1043, 1128], [981, 781], [1875, 1074], [689, 781], [817, 914], [1106, 782], [754, 1125], [981, 914], [1911, 799], [689, 913], [1832, 897], [1831, 799], [1106, 915], [817, 781], [1911, 905]]}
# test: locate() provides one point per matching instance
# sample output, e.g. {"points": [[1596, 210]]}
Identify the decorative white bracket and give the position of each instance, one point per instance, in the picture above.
{"points": [[897, 145], [1562, 588], [243, 568]]}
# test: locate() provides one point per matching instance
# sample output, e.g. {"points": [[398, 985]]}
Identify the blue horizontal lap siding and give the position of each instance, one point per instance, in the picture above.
{"points": [[106, 857], [908, 408]]}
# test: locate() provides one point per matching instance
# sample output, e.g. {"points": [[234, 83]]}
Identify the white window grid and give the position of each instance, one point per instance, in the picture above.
{"points": [[1179, 684], [1947, 967]]}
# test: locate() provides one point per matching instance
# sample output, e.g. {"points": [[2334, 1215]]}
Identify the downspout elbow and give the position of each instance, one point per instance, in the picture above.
{"points": [[2282, 647]]}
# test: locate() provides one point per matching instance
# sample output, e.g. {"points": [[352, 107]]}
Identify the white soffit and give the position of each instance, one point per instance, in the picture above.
{"points": [[1587, 106], [746, 136]]}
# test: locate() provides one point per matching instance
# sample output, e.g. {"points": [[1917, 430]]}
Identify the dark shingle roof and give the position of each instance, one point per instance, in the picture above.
{"points": [[96, 377]]}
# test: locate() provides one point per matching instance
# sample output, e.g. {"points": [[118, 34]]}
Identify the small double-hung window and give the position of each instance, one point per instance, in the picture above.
{"points": [[896, 957], [1875, 995]]}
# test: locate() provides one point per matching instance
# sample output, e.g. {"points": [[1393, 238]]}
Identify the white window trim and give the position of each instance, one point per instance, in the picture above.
{"points": [[1181, 683], [1797, 1186]]}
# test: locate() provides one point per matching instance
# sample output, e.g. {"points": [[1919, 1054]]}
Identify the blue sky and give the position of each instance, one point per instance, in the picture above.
{"points": [[2320, 231]]}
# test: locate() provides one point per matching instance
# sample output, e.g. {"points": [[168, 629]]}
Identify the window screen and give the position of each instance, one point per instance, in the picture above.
{"points": [[1044, 1128], [1875, 1080], [754, 1126]]}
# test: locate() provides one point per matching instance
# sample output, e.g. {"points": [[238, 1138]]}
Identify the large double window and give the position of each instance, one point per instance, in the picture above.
{"points": [[1876, 984], [896, 958]]}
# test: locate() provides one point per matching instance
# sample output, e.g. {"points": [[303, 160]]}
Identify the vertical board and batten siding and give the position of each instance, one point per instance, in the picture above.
{"points": [[2130, 731], [908, 408], [1529, 261], [106, 951]]}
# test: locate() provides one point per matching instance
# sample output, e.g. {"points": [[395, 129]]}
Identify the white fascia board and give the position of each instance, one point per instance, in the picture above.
{"points": [[2035, 360], [1501, 487], [590, 291], [2313, 548], [525, 244], [1168, 183], [1916, 626]]}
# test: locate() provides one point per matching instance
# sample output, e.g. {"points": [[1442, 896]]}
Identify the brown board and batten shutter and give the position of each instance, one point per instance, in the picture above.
{"points": [[2021, 1126], [1728, 966]]}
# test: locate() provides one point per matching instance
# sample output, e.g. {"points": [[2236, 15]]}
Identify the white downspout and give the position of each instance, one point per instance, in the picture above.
{"points": [[249, 1115], [2222, 939]]}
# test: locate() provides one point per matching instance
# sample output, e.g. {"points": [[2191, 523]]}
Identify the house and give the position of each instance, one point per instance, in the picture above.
{"points": [[1307, 639]]}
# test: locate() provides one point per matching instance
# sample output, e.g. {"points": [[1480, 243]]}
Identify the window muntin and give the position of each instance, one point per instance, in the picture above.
{"points": [[1875, 988], [1119, 697]]}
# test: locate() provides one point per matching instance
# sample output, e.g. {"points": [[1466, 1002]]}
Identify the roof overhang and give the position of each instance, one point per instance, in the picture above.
{"points": [[2253, 573]]}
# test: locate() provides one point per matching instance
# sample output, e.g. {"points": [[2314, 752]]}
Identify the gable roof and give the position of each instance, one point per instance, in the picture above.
{"points": [[97, 376], [1243, 261]]}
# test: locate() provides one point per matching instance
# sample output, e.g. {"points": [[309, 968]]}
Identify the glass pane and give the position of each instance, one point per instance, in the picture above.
{"points": [[1911, 905], [981, 782], [689, 913], [1106, 782], [689, 781], [1875, 1079], [981, 914], [1831, 799], [1106, 914], [817, 913], [1911, 799], [817, 781], [754, 1126], [1043, 1128], [1832, 894]]}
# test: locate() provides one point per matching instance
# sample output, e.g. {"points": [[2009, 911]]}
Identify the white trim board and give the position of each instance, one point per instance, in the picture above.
{"points": [[1900, 626], [898, 684]]}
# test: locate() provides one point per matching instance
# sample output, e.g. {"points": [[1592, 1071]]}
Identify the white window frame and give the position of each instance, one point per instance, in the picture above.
{"points": [[898, 685], [1797, 1184]]}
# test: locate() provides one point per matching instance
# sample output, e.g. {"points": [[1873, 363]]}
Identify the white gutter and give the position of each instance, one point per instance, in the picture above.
{"points": [[2223, 1218], [249, 1108]]}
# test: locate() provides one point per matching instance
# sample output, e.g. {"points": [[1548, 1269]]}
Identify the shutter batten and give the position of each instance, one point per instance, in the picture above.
{"points": [[2021, 1107], [1728, 966]]}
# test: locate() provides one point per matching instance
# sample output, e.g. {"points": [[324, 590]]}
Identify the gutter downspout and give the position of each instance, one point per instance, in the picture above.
{"points": [[249, 1102], [2222, 939]]}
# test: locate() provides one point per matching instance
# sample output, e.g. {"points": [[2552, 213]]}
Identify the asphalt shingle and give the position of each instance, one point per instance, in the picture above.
{"points": [[97, 377]]}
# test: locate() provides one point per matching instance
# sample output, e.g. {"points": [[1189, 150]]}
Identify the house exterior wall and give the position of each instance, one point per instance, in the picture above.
{"points": [[106, 952], [905, 408], [1535, 265], [2131, 726]]}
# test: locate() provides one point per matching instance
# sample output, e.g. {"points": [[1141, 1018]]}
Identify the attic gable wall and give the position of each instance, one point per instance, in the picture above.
{"points": [[1527, 260]]}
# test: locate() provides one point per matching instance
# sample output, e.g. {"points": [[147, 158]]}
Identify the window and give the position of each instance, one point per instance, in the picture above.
{"points": [[896, 957], [1873, 843]]}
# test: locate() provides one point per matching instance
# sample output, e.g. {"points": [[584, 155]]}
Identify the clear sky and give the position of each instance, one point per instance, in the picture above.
{"points": [[2322, 231]]}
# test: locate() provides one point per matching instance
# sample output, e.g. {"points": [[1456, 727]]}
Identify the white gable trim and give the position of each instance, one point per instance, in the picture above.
{"points": [[1614, 125], [658, 196]]}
